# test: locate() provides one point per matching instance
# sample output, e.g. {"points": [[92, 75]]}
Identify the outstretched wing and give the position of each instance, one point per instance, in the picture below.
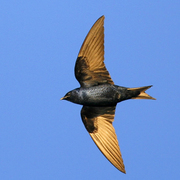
{"points": [[98, 122], [90, 69]]}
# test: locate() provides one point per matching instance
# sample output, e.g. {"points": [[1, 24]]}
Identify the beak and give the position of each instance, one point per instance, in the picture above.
{"points": [[62, 98]]}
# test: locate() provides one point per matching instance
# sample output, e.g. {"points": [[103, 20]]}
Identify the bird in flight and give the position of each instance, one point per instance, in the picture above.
{"points": [[99, 96]]}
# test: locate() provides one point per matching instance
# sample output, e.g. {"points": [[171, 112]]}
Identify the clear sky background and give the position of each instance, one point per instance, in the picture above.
{"points": [[43, 138]]}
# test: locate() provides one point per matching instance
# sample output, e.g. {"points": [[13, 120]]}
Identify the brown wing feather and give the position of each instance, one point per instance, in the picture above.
{"points": [[90, 69], [98, 122]]}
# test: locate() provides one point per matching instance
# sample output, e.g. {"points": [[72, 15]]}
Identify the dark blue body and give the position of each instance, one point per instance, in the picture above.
{"points": [[101, 95]]}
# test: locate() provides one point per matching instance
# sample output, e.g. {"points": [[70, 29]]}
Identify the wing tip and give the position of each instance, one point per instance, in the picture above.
{"points": [[123, 170], [103, 17]]}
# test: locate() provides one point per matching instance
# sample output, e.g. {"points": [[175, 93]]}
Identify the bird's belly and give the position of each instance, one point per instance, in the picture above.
{"points": [[99, 96]]}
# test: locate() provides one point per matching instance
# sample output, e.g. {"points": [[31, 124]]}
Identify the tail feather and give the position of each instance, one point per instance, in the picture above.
{"points": [[142, 94]]}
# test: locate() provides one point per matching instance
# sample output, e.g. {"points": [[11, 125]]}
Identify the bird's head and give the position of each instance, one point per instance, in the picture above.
{"points": [[67, 96], [72, 96]]}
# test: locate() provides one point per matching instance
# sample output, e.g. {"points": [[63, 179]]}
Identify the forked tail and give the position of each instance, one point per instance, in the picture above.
{"points": [[142, 94]]}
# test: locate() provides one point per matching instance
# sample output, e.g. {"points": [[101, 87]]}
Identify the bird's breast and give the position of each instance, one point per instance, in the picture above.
{"points": [[101, 95]]}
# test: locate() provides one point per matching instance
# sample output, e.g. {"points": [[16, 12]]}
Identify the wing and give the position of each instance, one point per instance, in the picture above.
{"points": [[98, 122], [90, 69]]}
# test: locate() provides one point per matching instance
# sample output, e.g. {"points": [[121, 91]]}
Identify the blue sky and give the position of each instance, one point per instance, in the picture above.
{"points": [[43, 138]]}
